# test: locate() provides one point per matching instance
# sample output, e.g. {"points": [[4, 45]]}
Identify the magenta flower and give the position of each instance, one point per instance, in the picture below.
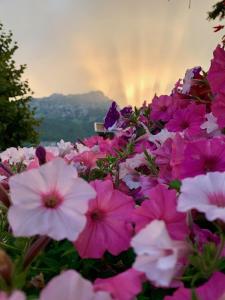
{"points": [[202, 156], [124, 286], [205, 193], [162, 108], [188, 120], [108, 222], [213, 289], [218, 109], [70, 286], [51, 200], [162, 205], [216, 73]]}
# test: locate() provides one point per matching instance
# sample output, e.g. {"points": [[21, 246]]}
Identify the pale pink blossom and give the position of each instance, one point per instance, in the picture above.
{"points": [[16, 295], [205, 193], [51, 200], [129, 165], [157, 254], [71, 286]]}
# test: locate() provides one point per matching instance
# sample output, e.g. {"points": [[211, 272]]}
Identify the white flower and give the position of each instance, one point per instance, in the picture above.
{"points": [[157, 253], [160, 138], [64, 147], [205, 193], [211, 125], [128, 167]]}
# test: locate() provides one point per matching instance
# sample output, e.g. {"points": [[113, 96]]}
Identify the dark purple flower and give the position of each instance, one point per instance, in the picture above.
{"points": [[126, 111], [112, 116]]}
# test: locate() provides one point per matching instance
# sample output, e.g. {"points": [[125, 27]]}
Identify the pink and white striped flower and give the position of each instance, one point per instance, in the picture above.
{"points": [[205, 193], [51, 200]]}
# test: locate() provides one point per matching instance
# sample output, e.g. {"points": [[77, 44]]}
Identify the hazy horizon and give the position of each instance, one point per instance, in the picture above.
{"points": [[127, 49]]}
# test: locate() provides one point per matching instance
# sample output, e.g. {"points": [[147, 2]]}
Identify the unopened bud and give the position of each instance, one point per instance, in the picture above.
{"points": [[4, 196], [41, 155], [6, 267]]}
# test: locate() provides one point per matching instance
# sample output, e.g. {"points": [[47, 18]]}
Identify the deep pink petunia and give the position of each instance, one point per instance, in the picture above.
{"points": [[162, 159], [202, 156], [218, 109], [124, 286], [188, 120], [161, 205], [216, 73], [213, 289], [108, 227], [162, 108]]}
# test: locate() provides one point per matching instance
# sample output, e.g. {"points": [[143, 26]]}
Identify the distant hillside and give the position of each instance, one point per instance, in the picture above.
{"points": [[70, 117]]}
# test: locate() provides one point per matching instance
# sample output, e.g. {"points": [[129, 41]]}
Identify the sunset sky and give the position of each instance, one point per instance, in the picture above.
{"points": [[129, 49]]}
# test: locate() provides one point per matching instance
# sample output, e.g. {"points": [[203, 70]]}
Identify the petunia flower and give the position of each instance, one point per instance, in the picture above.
{"points": [[216, 73], [202, 156], [51, 200], [213, 289], [205, 193], [161, 205], [188, 120], [108, 225], [157, 254], [16, 295], [218, 109], [124, 286], [70, 286]]}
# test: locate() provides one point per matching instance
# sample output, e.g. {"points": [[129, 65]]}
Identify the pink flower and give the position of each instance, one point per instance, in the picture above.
{"points": [[162, 159], [34, 163], [218, 109], [216, 73], [213, 289], [162, 108], [157, 254], [17, 295], [105, 145], [162, 205], [202, 156], [88, 159], [70, 286], [51, 200], [124, 286], [188, 120], [205, 193], [108, 222]]}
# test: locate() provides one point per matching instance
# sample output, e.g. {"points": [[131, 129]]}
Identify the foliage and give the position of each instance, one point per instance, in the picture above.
{"points": [[17, 122]]}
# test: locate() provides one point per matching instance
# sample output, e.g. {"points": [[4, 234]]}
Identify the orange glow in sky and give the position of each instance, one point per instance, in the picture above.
{"points": [[128, 49]]}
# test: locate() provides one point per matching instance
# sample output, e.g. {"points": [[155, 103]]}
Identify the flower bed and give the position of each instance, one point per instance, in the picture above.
{"points": [[138, 213]]}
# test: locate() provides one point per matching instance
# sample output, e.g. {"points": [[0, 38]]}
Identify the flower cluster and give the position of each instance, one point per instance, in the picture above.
{"points": [[136, 213]]}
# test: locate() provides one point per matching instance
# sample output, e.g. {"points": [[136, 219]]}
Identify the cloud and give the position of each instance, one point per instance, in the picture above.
{"points": [[128, 49]]}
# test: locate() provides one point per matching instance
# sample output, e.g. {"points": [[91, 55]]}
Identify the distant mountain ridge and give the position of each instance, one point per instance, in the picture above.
{"points": [[70, 117]]}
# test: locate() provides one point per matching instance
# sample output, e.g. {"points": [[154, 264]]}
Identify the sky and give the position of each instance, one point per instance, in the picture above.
{"points": [[128, 49]]}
